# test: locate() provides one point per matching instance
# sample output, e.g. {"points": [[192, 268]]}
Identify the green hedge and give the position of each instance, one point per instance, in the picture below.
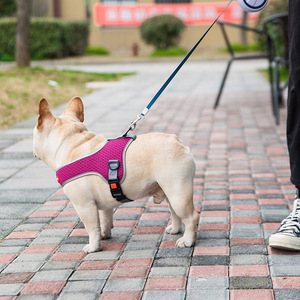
{"points": [[49, 38]]}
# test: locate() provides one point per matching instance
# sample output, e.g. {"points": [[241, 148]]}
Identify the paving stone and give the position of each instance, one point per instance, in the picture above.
{"points": [[286, 294], [23, 266], [174, 252], [52, 275], [141, 245], [164, 295], [37, 297], [79, 295], [218, 294], [11, 289], [248, 250], [90, 275], [246, 231], [242, 174], [248, 259], [138, 254], [163, 272], [200, 283], [61, 265], [171, 262], [250, 283], [132, 284], [207, 260]]}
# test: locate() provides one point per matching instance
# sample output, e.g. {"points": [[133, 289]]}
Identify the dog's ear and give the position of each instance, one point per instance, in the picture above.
{"points": [[75, 108], [44, 112]]}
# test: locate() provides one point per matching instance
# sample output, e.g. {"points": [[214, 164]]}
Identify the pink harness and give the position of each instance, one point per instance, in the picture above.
{"points": [[97, 162]]}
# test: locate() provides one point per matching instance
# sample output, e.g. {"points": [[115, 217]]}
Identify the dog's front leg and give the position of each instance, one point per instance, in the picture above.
{"points": [[106, 222], [88, 213]]}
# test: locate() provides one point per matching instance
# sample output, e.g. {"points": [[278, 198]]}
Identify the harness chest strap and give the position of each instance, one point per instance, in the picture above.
{"points": [[108, 162]]}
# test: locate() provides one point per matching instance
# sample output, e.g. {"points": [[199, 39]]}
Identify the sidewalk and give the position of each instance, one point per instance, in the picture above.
{"points": [[242, 191]]}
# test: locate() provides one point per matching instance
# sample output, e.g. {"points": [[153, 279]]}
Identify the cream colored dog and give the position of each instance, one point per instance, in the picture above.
{"points": [[157, 165]]}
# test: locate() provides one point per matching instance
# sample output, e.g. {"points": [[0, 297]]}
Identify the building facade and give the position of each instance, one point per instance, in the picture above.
{"points": [[114, 24]]}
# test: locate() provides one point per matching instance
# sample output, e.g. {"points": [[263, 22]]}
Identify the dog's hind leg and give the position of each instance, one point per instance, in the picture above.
{"points": [[175, 227], [106, 223], [180, 196]]}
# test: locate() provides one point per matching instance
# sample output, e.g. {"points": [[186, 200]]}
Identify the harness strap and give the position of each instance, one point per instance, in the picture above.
{"points": [[114, 183]]}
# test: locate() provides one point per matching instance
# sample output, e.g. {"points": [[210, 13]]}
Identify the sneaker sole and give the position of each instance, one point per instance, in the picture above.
{"points": [[285, 242]]}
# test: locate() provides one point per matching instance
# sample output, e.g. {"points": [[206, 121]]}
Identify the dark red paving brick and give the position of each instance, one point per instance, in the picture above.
{"points": [[44, 287], [121, 295]]}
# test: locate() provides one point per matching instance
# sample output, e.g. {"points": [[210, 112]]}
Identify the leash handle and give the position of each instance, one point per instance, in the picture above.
{"points": [[146, 109]]}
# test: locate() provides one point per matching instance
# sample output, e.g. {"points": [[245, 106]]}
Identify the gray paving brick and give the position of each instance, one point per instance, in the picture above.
{"points": [[149, 253], [10, 249], [42, 240], [250, 283], [165, 272], [212, 235], [55, 232], [84, 286], [72, 296], [152, 223], [287, 260], [203, 283], [210, 260], [23, 266], [11, 289], [60, 265], [103, 255], [212, 243], [32, 257], [132, 284], [163, 295], [216, 294], [141, 245], [37, 297], [90, 275], [246, 231], [285, 270], [248, 250], [248, 259], [286, 294], [171, 262], [52, 275]]}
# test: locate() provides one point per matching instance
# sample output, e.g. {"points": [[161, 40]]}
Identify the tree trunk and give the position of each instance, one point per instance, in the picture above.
{"points": [[23, 33]]}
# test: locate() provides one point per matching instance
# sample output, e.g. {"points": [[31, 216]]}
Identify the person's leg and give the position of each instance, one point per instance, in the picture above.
{"points": [[288, 235]]}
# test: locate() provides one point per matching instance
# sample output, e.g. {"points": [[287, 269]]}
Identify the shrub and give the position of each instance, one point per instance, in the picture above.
{"points": [[97, 50], [162, 31], [274, 7], [174, 51], [8, 8], [49, 38]]}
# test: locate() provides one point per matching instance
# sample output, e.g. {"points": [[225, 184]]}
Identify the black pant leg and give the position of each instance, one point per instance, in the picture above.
{"points": [[293, 120]]}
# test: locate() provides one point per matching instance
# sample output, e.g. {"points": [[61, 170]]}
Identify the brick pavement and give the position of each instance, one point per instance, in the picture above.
{"points": [[242, 192]]}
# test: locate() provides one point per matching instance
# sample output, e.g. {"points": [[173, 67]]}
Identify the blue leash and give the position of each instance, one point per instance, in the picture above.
{"points": [[146, 109]]}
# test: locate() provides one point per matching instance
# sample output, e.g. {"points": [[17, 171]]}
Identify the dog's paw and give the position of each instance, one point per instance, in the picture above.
{"points": [[89, 248], [183, 243], [172, 229], [105, 235]]}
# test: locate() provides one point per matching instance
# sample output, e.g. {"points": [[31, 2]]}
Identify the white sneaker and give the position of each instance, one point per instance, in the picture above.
{"points": [[288, 234]]}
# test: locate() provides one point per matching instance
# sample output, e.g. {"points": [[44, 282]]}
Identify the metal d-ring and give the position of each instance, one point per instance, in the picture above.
{"points": [[133, 124]]}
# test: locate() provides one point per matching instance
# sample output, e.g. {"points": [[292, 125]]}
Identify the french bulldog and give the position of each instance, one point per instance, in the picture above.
{"points": [[158, 165]]}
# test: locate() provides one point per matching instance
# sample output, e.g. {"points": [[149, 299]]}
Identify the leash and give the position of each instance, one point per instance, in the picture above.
{"points": [[146, 109]]}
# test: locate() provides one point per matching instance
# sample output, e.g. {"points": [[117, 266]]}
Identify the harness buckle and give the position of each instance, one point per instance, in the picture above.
{"points": [[114, 183]]}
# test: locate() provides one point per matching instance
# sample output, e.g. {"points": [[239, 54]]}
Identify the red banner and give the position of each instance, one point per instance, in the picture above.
{"points": [[190, 13]]}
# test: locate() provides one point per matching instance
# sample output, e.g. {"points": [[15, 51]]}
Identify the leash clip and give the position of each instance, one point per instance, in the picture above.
{"points": [[133, 124]]}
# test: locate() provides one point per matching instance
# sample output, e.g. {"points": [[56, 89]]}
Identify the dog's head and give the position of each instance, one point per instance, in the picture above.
{"points": [[51, 131]]}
